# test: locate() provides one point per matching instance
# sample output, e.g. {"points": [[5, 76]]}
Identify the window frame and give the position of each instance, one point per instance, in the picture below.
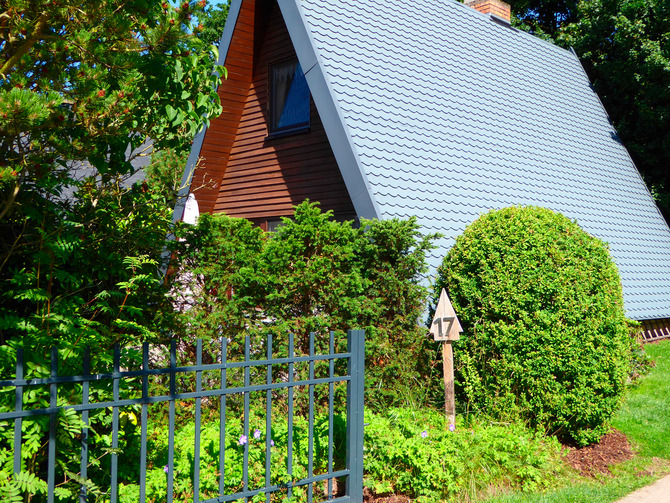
{"points": [[273, 130]]}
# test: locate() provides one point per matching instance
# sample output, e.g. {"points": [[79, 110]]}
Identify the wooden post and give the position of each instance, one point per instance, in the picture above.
{"points": [[447, 328], [449, 400]]}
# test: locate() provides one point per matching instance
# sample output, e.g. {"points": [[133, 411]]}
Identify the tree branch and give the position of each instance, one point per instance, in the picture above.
{"points": [[27, 45], [10, 201]]}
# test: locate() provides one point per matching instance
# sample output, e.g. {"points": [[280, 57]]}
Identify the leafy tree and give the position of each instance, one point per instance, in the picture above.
{"points": [[545, 336], [88, 81], [84, 87], [212, 21], [543, 17], [625, 48], [164, 173]]}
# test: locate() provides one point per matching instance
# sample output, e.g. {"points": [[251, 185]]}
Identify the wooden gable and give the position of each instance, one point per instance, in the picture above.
{"points": [[242, 171]]}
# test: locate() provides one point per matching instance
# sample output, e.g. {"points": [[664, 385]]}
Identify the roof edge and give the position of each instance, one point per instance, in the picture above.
{"points": [[196, 146], [508, 25], [625, 149], [331, 115]]}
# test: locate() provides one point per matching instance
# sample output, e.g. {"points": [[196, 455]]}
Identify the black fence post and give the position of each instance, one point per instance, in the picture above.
{"points": [[18, 407], [53, 421], [355, 420]]}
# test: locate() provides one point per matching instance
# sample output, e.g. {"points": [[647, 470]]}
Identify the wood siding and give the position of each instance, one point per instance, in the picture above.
{"points": [[264, 178], [233, 93]]}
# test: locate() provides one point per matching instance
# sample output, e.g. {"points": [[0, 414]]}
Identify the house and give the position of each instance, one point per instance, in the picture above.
{"points": [[431, 108]]}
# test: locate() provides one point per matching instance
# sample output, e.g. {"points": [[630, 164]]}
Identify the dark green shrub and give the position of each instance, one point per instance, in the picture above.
{"points": [[545, 336], [313, 275]]}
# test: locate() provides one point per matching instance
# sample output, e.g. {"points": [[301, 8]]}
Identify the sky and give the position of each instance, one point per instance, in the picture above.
{"points": [[210, 2]]}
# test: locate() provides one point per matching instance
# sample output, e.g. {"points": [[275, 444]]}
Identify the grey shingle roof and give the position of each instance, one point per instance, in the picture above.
{"points": [[437, 111]]}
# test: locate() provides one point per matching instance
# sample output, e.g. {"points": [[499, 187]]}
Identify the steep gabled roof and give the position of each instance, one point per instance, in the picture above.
{"points": [[436, 110]]}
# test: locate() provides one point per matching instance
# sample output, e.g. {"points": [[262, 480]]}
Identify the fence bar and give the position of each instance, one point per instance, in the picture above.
{"points": [[268, 421], [310, 435], [355, 397], [156, 372], [115, 426], [196, 447], [289, 444], [331, 408], [18, 407], [190, 395], [83, 467], [253, 492], [158, 399], [53, 402], [222, 430], [173, 392], [145, 420], [247, 382]]}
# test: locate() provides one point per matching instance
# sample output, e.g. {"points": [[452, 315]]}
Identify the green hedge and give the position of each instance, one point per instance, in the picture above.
{"points": [[545, 335], [313, 274]]}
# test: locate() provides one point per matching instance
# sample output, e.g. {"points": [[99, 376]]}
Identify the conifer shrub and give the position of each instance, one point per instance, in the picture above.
{"points": [[545, 336], [314, 274]]}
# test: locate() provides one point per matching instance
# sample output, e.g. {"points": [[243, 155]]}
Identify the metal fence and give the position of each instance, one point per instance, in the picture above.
{"points": [[313, 486]]}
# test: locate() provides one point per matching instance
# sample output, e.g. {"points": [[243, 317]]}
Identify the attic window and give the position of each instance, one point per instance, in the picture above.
{"points": [[289, 98], [274, 225]]}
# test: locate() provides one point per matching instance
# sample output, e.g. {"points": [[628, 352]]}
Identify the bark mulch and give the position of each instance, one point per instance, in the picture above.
{"points": [[595, 459], [368, 497]]}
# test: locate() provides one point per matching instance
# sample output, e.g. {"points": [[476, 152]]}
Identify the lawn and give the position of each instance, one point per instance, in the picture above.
{"points": [[644, 418], [645, 415]]}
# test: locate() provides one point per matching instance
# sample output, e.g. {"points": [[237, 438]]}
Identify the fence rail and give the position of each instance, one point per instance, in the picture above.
{"points": [[353, 378], [655, 330]]}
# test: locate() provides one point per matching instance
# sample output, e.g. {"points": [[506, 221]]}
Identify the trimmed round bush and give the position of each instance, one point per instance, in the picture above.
{"points": [[545, 335]]}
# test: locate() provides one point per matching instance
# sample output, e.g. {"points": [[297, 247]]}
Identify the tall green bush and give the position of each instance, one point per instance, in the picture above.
{"points": [[86, 89], [313, 275], [545, 335]]}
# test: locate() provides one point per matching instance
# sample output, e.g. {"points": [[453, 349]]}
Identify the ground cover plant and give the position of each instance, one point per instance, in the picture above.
{"points": [[236, 443], [413, 452], [545, 336]]}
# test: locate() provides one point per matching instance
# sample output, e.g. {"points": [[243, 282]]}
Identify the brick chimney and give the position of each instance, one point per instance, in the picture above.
{"points": [[496, 8]]}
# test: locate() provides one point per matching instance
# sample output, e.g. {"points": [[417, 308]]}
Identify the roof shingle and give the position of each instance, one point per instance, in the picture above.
{"points": [[448, 114]]}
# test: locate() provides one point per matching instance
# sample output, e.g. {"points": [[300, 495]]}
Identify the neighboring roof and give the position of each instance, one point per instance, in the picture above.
{"points": [[447, 114], [435, 110], [139, 159]]}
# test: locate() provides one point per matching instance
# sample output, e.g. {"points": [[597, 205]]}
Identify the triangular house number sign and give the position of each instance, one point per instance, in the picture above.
{"points": [[445, 326]]}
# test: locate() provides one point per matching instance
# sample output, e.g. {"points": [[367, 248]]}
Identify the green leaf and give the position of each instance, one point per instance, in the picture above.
{"points": [[171, 112]]}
